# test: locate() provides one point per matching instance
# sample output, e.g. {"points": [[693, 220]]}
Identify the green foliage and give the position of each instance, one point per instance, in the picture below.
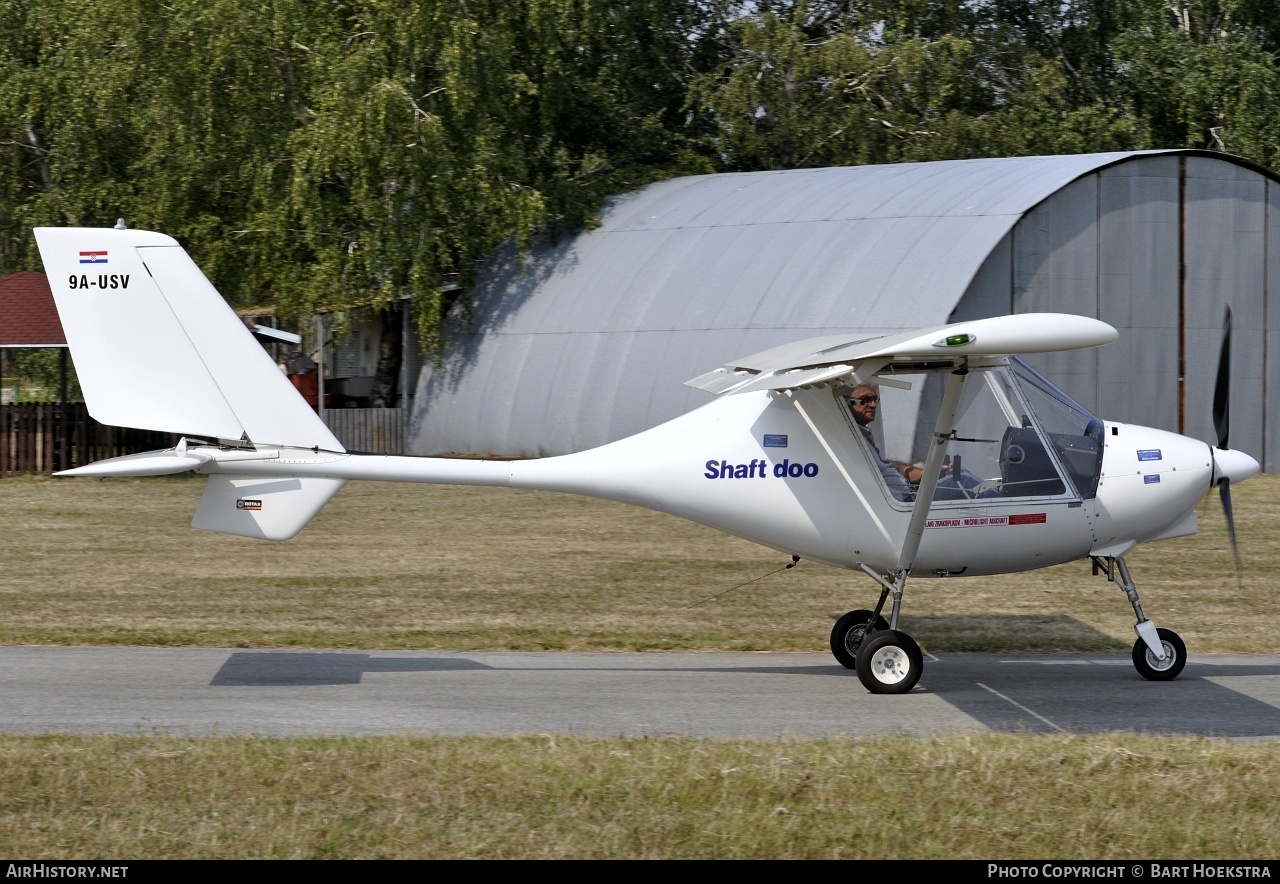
{"points": [[441, 129], [1204, 74], [35, 375], [909, 82]]}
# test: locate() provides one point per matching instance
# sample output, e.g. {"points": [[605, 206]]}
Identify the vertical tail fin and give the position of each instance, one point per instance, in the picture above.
{"points": [[156, 347]]}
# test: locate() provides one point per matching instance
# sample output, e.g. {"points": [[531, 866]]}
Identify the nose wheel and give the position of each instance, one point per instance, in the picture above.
{"points": [[1151, 667]]}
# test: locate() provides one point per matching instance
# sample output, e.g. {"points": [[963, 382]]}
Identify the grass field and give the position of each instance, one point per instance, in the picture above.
{"points": [[551, 797], [403, 566], [389, 566]]}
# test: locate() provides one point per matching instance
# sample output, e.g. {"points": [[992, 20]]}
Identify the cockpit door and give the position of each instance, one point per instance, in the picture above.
{"points": [[1005, 491]]}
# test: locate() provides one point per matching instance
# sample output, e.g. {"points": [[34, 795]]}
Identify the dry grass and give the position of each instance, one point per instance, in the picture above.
{"points": [[982, 797], [398, 566]]}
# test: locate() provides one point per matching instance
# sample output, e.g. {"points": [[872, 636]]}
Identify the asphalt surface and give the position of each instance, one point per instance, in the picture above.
{"points": [[197, 691]]}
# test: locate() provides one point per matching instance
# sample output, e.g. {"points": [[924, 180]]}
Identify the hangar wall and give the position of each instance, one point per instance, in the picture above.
{"points": [[1159, 247]]}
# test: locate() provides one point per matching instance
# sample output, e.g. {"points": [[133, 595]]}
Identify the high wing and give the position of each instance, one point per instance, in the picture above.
{"points": [[833, 357]]}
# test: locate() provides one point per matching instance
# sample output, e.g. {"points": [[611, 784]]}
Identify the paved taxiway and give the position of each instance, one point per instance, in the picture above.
{"points": [[193, 691]]}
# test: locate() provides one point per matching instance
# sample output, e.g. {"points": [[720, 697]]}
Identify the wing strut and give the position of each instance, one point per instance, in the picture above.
{"points": [[942, 431]]}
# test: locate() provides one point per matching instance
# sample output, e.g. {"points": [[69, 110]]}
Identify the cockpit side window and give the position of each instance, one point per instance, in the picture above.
{"points": [[997, 449], [885, 440], [1075, 434], [1026, 468]]}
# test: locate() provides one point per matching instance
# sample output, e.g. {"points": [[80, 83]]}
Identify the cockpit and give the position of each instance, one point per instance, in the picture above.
{"points": [[1013, 434]]}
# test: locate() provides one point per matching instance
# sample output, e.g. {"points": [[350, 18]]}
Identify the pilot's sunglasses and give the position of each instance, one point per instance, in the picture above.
{"points": [[863, 400]]}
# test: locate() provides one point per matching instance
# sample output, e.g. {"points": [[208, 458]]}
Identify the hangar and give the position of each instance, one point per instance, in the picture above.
{"points": [[590, 339]]}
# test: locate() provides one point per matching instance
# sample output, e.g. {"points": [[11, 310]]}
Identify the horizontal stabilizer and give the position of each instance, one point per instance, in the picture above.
{"points": [[265, 507], [148, 463]]}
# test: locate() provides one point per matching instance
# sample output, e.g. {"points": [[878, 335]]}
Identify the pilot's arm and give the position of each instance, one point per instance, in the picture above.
{"points": [[912, 472]]}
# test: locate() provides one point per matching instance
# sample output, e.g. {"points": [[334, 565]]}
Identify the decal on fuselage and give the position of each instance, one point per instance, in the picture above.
{"points": [[1150, 454], [94, 257], [758, 468], [989, 521], [246, 504], [772, 440]]}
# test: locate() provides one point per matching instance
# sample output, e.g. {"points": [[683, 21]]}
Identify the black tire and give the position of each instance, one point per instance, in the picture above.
{"points": [[1156, 670], [847, 634], [889, 662]]}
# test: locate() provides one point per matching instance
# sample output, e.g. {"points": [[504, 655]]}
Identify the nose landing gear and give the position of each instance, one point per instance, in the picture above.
{"points": [[1158, 654]]}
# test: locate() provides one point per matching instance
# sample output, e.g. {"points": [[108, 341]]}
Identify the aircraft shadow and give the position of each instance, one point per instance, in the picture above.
{"points": [[1010, 693], [281, 668], [992, 632], [1048, 694]]}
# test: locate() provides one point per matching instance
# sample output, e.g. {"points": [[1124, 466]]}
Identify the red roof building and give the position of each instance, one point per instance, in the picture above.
{"points": [[28, 317]]}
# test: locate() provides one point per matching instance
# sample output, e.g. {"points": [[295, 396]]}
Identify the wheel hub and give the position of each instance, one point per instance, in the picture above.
{"points": [[1161, 665], [890, 665], [853, 639]]}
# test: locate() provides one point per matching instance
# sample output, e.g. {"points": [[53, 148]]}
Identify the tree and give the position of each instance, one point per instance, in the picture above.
{"points": [[1203, 74], [442, 128], [324, 156], [905, 81]]}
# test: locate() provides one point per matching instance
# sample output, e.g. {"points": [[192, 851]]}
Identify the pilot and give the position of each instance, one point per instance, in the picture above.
{"points": [[901, 477], [864, 401]]}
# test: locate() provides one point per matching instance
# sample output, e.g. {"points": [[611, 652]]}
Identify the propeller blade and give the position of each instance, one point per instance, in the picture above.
{"points": [[1224, 491], [1222, 388]]}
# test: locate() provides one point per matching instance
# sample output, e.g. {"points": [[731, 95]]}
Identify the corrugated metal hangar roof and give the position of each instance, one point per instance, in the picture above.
{"points": [[590, 340]]}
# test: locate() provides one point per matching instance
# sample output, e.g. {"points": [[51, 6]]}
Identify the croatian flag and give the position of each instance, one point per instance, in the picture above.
{"points": [[93, 257]]}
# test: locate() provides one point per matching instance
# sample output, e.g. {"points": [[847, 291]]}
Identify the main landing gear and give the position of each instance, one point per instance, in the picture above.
{"points": [[887, 661]]}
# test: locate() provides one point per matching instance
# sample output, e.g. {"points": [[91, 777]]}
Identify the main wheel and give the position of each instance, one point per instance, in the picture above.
{"points": [[847, 634], [889, 662], [1175, 657]]}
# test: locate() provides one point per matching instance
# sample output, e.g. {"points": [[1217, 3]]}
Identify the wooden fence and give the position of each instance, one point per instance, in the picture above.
{"points": [[41, 437], [34, 438]]}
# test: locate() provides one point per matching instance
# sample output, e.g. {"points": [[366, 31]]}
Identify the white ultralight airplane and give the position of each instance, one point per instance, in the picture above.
{"points": [[1015, 475]]}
